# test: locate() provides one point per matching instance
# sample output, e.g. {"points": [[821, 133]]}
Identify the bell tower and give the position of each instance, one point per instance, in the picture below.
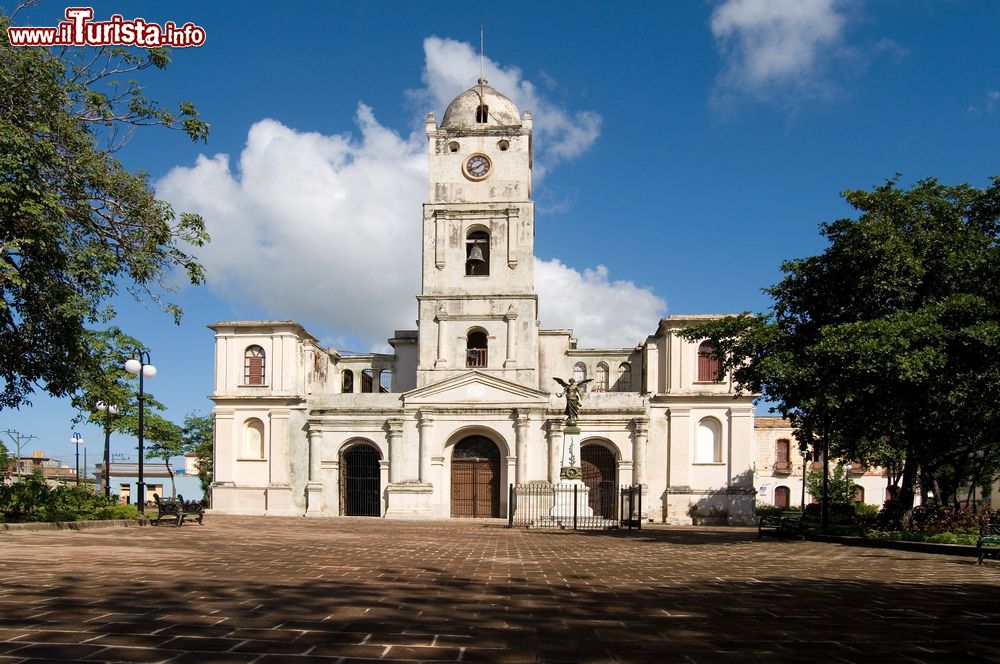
{"points": [[478, 307]]}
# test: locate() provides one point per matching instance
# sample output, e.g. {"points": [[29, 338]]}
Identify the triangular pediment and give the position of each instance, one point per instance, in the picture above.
{"points": [[475, 388]]}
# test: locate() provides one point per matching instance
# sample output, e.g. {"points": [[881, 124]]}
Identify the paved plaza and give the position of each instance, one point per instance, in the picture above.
{"points": [[263, 590]]}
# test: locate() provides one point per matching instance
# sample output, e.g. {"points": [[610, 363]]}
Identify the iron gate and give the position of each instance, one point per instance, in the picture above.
{"points": [[360, 481], [600, 474]]}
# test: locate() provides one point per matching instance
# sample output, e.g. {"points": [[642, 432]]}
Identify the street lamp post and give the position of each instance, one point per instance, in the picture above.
{"points": [[109, 410], [143, 368], [78, 441], [805, 457]]}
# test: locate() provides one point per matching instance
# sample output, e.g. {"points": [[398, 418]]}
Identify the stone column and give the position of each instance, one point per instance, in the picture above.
{"points": [[511, 318], [555, 435], [441, 317], [314, 489], [227, 445], [641, 434], [315, 454], [425, 428], [521, 446], [395, 431]]}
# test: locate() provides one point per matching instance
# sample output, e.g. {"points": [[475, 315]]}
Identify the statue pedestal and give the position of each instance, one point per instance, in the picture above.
{"points": [[571, 494]]}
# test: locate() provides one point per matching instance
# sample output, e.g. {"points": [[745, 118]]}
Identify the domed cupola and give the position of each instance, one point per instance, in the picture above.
{"points": [[480, 107]]}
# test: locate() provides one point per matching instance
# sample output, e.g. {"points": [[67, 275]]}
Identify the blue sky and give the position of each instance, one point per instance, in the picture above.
{"points": [[687, 149]]}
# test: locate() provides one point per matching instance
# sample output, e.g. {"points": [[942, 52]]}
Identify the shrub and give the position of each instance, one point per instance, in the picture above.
{"points": [[763, 509], [31, 499], [865, 515], [117, 511]]}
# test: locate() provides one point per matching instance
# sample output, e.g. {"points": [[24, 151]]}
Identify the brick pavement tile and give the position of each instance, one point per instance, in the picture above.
{"points": [[306, 659], [56, 637], [330, 638], [266, 634], [200, 644], [274, 647], [498, 656], [423, 654], [344, 650], [215, 658], [7, 646], [126, 654], [61, 651], [125, 628], [204, 631], [401, 639], [135, 640]]}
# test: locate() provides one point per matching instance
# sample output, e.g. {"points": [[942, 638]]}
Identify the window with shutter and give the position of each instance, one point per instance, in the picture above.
{"points": [[601, 378], [709, 366], [253, 366]]}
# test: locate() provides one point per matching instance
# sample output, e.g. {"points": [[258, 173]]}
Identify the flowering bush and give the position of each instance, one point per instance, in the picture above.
{"points": [[933, 519]]}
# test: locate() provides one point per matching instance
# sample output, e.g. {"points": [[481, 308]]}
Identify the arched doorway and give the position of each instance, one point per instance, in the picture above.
{"points": [[360, 481], [475, 478], [600, 474]]}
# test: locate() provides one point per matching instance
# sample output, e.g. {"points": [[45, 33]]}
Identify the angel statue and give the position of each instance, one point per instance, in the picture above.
{"points": [[573, 396]]}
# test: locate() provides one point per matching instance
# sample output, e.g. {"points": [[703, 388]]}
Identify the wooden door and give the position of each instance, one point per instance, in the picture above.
{"points": [[475, 478]]}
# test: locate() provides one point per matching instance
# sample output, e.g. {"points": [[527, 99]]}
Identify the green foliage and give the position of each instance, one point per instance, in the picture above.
{"points": [[75, 225], [887, 344], [763, 509], [917, 536], [6, 460], [841, 487], [198, 434], [865, 515], [32, 499]]}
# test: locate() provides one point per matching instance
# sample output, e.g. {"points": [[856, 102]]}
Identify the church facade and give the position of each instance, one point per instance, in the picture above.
{"points": [[466, 406]]}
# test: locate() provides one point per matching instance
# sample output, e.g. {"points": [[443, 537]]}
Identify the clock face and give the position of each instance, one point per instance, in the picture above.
{"points": [[478, 166]]}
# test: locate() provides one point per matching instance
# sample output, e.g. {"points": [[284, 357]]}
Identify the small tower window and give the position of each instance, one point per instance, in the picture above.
{"points": [[709, 366], [624, 383], [253, 366], [475, 349], [503, 144], [482, 114], [601, 378], [453, 146], [477, 254], [580, 374]]}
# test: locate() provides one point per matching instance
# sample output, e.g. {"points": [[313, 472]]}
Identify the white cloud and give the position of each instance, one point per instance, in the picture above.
{"points": [[326, 229], [314, 227], [602, 312], [990, 105], [774, 46], [560, 135]]}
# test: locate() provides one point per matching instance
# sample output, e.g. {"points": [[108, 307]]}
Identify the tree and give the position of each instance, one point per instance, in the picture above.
{"points": [[164, 441], [75, 225], [841, 487], [198, 433], [6, 462], [887, 345]]}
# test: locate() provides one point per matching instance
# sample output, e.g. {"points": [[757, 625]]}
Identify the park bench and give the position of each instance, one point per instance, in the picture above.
{"points": [[989, 536], [177, 509], [786, 524]]}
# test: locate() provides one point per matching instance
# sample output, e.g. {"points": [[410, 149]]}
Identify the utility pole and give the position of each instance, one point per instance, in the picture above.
{"points": [[19, 441]]}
